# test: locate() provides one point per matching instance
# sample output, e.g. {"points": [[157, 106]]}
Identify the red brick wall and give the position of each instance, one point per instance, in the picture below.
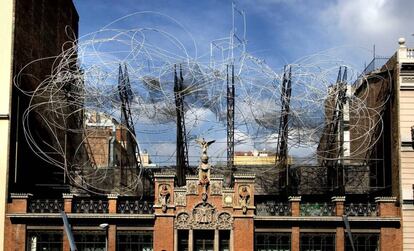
{"points": [[164, 234], [243, 235]]}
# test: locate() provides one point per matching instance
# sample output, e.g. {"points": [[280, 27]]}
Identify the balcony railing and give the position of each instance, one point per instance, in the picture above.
{"points": [[44, 206], [134, 207], [273, 209], [360, 209], [86, 206], [317, 209], [410, 53]]}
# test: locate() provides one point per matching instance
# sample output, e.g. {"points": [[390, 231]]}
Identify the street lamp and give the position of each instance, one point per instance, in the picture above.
{"points": [[105, 226]]}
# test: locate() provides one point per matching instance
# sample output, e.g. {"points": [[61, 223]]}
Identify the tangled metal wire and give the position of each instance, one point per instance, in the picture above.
{"points": [[84, 79]]}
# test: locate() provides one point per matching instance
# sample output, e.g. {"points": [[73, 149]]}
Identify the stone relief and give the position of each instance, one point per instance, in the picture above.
{"points": [[228, 199], [180, 198], [204, 216], [244, 197], [164, 196], [224, 221], [192, 187], [183, 221], [216, 187]]}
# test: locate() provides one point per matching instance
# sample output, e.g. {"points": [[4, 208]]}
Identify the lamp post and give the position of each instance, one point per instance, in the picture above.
{"points": [[105, 227]]}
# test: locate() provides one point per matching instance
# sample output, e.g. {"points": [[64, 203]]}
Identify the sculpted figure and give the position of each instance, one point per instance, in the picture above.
{"points": [[164, 197]]}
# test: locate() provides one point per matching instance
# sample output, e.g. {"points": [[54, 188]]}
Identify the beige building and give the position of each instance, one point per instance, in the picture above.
{"points": [[404, 64]]}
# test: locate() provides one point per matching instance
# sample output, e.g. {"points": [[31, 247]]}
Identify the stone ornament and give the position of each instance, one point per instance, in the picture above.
{"points": [[228, 199], [180, 198], [216, 187], [192, 187], [244, 197], [204, 216], [204, 167], [164, 196], [224, 221], [183, 221]]}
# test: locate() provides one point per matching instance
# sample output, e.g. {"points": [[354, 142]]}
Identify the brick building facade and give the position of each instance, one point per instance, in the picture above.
{"points": [[204, 214]]}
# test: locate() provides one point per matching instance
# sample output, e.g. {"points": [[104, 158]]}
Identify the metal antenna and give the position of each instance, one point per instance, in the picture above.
{"points": [[182, 165], [230, 122]]}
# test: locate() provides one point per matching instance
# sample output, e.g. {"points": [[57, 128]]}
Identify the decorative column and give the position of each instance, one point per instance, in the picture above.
{"points": [[190, 240], [340, 211], [164, 211], [390, 237], [216, 239], [295, 208], [243, 212]]}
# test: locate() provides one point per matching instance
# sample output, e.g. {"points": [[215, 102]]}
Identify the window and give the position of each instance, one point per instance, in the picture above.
{"points": [[363, 242], [224, 241], [39, 240], [272, 241], [90, 240], [182, 240], [134, 241], [317, 242], [203, 240]]}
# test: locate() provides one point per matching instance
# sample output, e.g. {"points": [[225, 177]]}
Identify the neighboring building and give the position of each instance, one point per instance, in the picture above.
{"points": [[260, 158]]}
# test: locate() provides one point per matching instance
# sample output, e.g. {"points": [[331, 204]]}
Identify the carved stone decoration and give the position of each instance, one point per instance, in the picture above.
{"points": [[228, 199], [224, 221], [164, 196], [180, 198], [244, 197], [204, 197], [203, 216], [191, 187], [204, 167], [216, 187], [183, 221]]}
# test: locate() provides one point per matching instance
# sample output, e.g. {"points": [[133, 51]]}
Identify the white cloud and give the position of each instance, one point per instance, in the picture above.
{"points": [[368, 22]]}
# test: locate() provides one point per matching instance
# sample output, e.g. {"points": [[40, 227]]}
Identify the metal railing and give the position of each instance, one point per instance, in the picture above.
{"points": [[86, 206], [317, 209], [271, 208], [361, 209], [44, 206], [134, 207]]}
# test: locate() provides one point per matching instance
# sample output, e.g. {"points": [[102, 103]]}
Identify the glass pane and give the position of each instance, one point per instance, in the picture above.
{"points": [[39, 240], [134, 241], [272, 241]]}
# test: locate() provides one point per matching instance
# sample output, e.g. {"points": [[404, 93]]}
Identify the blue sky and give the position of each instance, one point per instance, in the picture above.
{"points": [[278, 31]]}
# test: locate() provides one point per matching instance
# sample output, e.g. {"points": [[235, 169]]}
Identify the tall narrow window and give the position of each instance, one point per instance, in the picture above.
{"points": [[224, 242], [183, 240], [203, 240]]}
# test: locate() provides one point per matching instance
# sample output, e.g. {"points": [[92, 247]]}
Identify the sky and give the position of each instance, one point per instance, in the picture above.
{"points": [[278, 32]]}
